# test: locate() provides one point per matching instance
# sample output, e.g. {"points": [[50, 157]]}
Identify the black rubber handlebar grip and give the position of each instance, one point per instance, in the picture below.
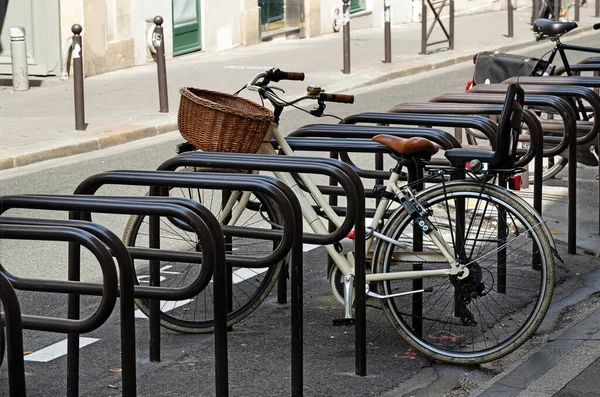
{"points": [[596, 26], [292, 76], [340, 98]]}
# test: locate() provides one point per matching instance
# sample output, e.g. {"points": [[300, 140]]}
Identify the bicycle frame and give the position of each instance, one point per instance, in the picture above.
{"points": [[560, 49], [345, 263]]}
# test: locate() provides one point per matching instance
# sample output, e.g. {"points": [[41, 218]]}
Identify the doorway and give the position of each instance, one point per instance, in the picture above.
{"points": [[186, 26], [271, 14]]}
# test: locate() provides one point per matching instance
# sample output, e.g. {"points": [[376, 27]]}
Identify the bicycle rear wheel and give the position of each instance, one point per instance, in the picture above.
{"points": [[502, 301], [250, 286]]}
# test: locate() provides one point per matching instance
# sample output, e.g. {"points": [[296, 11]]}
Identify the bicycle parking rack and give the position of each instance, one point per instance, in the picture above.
{"points": [[150, 205], [14, 334], [476, 105], [344, 138], [355, 217], [158, 182], [569, 87], [349, 131], [77, 205], [72, 235], [486, 126]]}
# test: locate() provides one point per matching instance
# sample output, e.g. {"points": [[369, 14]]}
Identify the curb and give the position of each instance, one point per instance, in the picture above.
{"points": [[396, 74], [114, 136], [123, 134]]}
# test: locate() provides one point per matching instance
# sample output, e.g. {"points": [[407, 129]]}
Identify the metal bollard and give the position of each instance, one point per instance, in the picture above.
{"points": [[597, 9], [18, 53], [346, 32], [510, 9], [387, 17], [158, 43], [78, 78], [451, 26]]}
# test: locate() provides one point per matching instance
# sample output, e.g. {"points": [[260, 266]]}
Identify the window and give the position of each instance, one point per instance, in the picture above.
{"points": [[357, 5]]}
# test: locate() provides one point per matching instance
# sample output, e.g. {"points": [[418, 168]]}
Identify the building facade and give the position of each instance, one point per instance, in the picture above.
{"points": [[118, 33]]}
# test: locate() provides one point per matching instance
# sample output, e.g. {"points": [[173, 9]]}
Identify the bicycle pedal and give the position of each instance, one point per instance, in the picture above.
{"points": [[343, 322]]}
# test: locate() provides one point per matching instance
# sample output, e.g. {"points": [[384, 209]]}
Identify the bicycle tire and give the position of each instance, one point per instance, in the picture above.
{"points": [[513, 315], [250, 286]]}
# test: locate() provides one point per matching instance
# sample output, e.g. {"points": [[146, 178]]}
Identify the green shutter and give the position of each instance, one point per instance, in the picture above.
{"points": [[357, 5], [186, 26]]}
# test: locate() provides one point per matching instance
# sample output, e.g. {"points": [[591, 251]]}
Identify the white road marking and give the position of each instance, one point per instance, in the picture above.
{"points": [[163, 270], [165, 306], [56, 350], [247, 67], [309, 247], [244, 274]]}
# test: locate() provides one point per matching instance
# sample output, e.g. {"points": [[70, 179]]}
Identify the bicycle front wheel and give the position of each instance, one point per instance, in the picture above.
{"points": [[506, 294], [250, 286]]}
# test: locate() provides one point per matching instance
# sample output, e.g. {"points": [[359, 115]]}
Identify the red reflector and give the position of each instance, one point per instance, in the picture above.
{"points": [[469, 85], [514, 182], [351, 234]]}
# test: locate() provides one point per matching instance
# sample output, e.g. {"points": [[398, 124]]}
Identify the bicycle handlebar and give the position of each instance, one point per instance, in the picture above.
{"points": [[596, 26], [260, 83], [339, 98], [278, 75]]}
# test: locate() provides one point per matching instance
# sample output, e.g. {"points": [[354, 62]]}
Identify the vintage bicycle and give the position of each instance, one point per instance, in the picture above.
{"points": [[475, 258], [510, 65]]}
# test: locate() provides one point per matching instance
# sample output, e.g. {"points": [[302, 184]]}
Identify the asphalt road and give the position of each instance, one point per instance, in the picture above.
{"points": [[259, 347]]}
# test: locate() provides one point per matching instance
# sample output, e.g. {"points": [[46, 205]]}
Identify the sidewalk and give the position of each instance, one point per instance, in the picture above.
{"points": [[122, 106]]}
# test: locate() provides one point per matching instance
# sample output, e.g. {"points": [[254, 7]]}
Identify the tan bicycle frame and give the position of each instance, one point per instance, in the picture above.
{"points": [[344, 263]]}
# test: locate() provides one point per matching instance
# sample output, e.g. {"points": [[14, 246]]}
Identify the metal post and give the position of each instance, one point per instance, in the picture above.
{"points": [[18, 54], [424, 28], [78, 78], [509, 7], [451, 27], [535, 12], [572, 194], [556, 10], [73, 301], [387, 35], [154, 304], [158, 43], [346, 31], [577, 5], [597, 10]]}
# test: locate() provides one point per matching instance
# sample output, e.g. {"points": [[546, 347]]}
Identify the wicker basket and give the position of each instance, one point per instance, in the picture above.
{"points": [[217, 122]]}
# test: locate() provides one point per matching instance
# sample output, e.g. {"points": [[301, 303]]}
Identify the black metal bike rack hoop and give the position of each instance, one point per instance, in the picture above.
{"points": [[157, 180], [560, 105], [72, 235], [341, 139], [565, 87], [472, 104], [79, 207], [487, 127], [14, 339], [444, 139], [347, 178]]}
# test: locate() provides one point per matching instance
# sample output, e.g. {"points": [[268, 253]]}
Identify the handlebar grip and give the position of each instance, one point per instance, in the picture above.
{"points": [[596, 26], [340, 98], [292, 76], [277, 75]]}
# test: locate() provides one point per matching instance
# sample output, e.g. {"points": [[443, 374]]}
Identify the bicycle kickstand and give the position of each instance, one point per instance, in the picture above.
{"points": [[594, 151], [348, 295]]}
